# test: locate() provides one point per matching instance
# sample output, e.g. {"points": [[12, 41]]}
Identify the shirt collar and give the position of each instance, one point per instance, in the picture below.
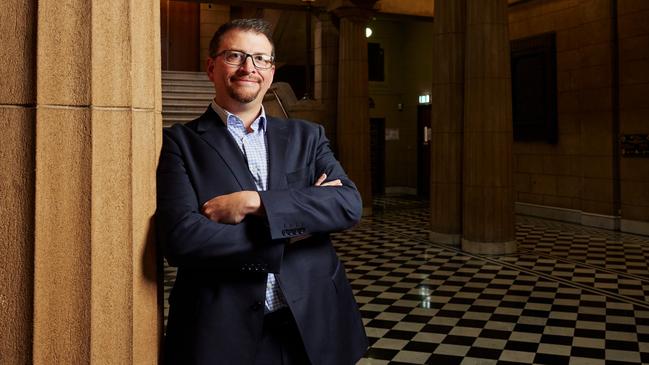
{"points": [[226, 116]]}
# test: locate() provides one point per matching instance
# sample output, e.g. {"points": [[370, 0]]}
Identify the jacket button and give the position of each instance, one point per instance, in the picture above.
{"points": [[256, 306]]}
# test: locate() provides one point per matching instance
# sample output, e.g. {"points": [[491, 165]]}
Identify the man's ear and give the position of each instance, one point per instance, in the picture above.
{"points": [[209, 68]]}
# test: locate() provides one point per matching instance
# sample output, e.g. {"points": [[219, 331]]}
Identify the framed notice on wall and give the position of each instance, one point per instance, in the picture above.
{"points": [[634, 145]]}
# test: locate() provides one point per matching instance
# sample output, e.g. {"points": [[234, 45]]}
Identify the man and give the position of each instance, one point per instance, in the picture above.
{"points": [[245, 205]]}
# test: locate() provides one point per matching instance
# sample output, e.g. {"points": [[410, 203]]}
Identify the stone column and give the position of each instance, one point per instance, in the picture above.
{"points": [[17, 123], [353, 126], [488, 210], [326, 72], [447, 99], [98, 129]]}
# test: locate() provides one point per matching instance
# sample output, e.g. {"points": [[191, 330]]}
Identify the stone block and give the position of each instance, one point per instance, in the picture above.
{"points": [[145, 151], [62, 236], [597, 207], [522, 183], [111, 236], [558, 201], [634, 96], [633, 24], [594, 77], [529, 198], [64, 52], [599, 100], [598, 190], [634, 72], [634, 47], [18, 52], [595, 10], [111, 53], [568, 60], [597, 167], [634, 169], [145, 61], [17, 191], [544, 184], [635, 193], [632, 6], [569, 186]]}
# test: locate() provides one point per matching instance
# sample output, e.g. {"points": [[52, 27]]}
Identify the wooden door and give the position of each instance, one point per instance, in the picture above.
{"points": [[181, 35]]}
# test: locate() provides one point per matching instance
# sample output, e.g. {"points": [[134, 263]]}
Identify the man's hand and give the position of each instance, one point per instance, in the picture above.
{"points": [[323, 177], [232, 208]]}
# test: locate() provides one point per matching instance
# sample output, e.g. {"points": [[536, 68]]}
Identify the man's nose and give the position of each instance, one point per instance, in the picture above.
{"points": [[248, 65]]}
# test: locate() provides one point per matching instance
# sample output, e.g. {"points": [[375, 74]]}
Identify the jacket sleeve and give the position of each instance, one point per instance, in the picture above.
{"points": [[311, 210], [188, 238]]}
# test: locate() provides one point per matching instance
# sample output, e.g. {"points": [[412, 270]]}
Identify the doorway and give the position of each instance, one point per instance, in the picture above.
{"points": [[377, 155], [423, 150], [180, 33]]}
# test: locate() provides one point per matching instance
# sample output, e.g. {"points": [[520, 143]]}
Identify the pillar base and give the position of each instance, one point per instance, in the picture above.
{"points": [[445, 238], [489, 248]]}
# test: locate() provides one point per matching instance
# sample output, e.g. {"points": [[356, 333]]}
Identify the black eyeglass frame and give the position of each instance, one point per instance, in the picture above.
{"points": [[245, 58]]}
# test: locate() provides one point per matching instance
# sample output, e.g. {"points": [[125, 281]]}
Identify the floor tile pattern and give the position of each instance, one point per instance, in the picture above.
{"points": [[570, 295]]}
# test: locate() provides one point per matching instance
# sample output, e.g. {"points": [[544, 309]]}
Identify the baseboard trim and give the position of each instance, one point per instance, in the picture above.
{"points": [[635, 227], [611, 222]]}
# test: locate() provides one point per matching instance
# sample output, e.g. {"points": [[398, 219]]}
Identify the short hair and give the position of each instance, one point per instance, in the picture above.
{"points": [[258, 26]]}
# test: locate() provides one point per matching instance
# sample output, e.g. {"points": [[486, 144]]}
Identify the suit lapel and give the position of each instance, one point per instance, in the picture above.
{"points": [[213, 131], [277, 142]]}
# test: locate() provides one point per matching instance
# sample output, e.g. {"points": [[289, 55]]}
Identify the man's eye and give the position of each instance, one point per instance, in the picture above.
{"points": [[234, 56]]}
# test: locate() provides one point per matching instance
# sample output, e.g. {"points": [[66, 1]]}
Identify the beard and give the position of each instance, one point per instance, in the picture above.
{"points": [[244, 94]]}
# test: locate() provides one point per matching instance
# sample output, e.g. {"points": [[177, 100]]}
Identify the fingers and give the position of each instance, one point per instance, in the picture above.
{"points": [[320, 180], [323, 177], [336, 182]]}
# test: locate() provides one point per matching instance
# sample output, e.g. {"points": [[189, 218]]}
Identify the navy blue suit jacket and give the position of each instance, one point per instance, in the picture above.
{"points": [[217, 302]]}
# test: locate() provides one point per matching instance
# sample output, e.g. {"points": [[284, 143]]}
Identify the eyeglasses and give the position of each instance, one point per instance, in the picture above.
{"points": [[238, 58]]}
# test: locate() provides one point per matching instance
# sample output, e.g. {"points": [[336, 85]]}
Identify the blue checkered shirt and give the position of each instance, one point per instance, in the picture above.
{"points": [[253, 146]]}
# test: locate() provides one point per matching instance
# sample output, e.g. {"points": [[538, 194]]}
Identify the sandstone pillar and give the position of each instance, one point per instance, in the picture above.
{"points": [[488, 212], [447, 99], [98, 129], [326, 72], [353, 126], [17, 123]]}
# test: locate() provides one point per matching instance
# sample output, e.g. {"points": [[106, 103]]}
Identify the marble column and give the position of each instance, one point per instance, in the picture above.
{"points": [[90, 205], [488, 211], [326, 72], [353, 126], [447, 113]]}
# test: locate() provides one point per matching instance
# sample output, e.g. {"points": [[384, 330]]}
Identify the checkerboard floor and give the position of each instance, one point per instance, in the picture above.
{"points": [[570, 295]]}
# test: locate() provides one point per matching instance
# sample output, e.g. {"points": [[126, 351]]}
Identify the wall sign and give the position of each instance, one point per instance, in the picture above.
{"points": [[634, 145]]}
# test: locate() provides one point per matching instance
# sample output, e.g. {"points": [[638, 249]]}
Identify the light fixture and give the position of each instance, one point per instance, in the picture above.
{"points": [[424, 99], [368, 32]]}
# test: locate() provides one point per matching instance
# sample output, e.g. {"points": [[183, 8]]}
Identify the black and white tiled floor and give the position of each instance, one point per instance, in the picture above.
{"points": [[570, 295]]}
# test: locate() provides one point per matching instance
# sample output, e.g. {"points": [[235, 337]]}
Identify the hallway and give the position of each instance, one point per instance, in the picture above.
{"points": [[571, 295]]}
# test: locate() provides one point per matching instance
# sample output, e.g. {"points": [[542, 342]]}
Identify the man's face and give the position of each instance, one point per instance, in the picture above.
{"points": [[239, 85]]}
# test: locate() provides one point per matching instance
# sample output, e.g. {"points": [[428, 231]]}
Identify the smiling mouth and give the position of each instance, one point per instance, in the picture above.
{"points": [[246, 80]]}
